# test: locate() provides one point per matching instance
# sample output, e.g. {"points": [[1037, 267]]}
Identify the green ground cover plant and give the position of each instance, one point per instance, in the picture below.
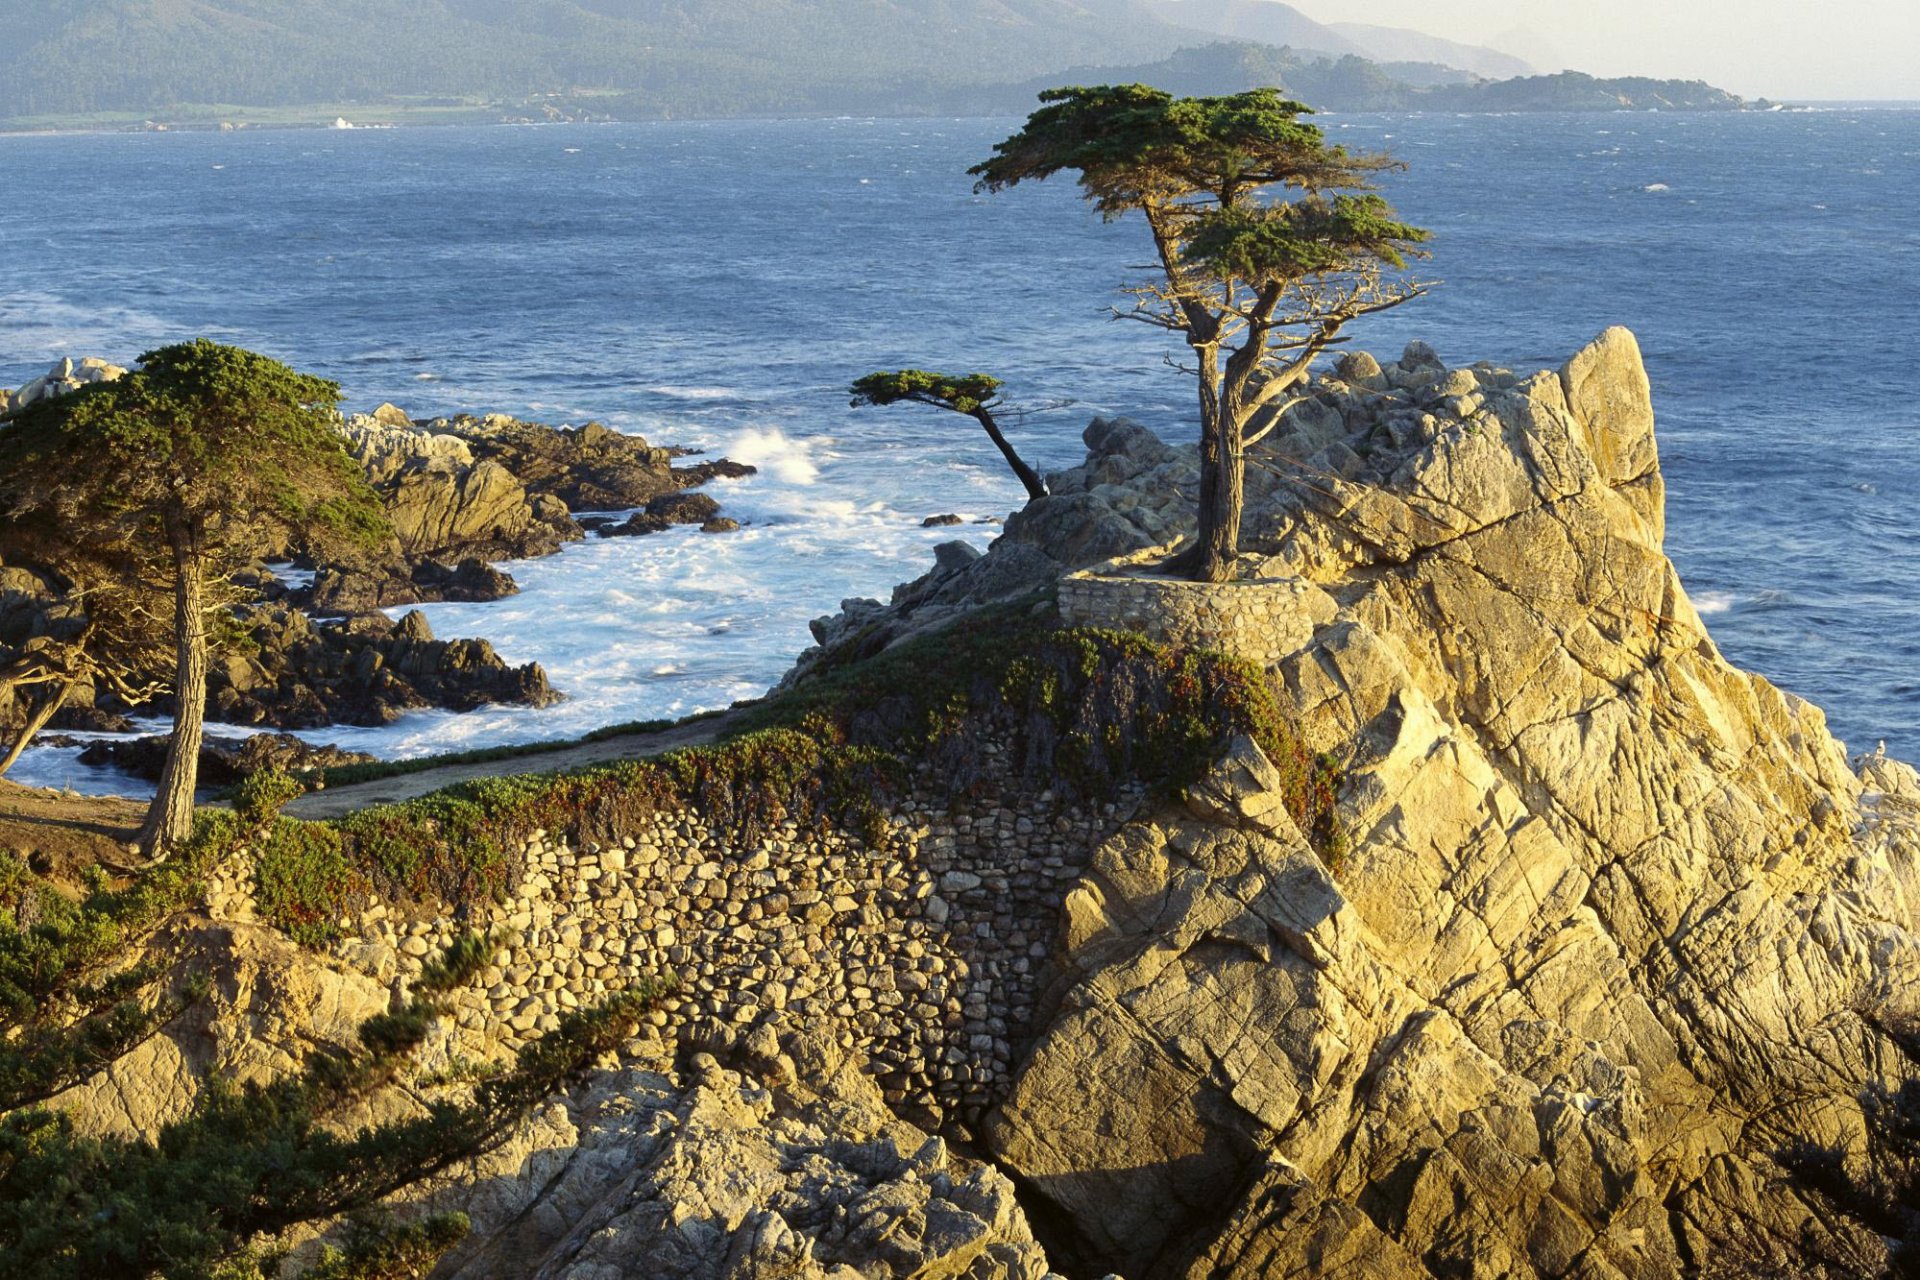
{"points": [[1084, 712]]}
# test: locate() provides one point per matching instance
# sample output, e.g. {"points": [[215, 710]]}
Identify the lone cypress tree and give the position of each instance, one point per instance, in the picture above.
{"points": [[976, 395], [1256, 285], [174, 477]]}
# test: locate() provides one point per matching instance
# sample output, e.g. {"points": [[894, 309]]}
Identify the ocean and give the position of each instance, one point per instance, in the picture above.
{"points": [[717, 285]]}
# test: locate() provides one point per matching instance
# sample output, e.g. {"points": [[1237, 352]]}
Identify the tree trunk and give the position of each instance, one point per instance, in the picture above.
{"points": [[170, 819], [36, 721], [1036, 487], [1222, 479], [1221, 503]]}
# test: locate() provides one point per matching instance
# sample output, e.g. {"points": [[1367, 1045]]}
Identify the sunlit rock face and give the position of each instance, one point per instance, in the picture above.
{"points": [[1617, 933]]}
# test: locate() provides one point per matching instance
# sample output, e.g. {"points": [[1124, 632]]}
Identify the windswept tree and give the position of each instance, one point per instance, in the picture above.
{"points": [[976, 395], [1270, 241], [176, 476]]}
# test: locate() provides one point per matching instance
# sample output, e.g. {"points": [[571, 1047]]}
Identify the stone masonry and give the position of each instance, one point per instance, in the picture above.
{"points": [[1261, 620], [923, 954]]}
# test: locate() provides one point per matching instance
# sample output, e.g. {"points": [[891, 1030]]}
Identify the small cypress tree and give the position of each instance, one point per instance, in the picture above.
{"points": [[173, 477], [975, 395]]}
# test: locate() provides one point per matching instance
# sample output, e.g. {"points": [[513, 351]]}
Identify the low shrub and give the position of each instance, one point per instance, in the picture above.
{"points": [[251, 1160], [303, 881]]}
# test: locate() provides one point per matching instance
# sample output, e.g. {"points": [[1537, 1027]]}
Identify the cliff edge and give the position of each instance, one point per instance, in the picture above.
{"points": [[1619, 937]]}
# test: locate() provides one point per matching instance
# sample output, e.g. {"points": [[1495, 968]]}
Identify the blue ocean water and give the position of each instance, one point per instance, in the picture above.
{"points": [[718, 284]]}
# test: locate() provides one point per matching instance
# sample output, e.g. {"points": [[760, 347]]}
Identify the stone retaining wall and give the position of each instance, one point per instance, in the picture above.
{"points": [[924, 953], [1261, 620]]}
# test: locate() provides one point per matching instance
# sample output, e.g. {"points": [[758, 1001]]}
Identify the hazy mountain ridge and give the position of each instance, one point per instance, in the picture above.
{"points": [[1355, 84], [641, 59], [1397, 44]]}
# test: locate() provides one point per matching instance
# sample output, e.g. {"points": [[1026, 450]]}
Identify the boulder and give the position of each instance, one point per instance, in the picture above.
{"points": [[223, 760], [366, 671], [739, 1172], [65, 377]]}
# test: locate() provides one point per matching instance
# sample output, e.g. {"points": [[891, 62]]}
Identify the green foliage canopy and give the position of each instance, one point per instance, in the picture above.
{"points": [[966, 394], [1193, 165], [226, 446], [976, 395]]}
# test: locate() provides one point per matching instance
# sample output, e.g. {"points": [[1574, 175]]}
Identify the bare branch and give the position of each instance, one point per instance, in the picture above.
{"points": [[1278, 415]]}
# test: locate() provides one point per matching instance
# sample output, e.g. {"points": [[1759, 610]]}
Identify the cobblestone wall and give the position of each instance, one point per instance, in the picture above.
{"points": [[1262, 620], [925, 953]]}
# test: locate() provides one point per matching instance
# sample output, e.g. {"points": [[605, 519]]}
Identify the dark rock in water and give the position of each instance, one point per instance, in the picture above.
{"points": [[720, 524], [339, 590], [666, 511], [367, 671], [718, 469], [89, 719], [223, 761], [472, 581], [260, 581], [635, 525], [940, 522], [684, 508]]}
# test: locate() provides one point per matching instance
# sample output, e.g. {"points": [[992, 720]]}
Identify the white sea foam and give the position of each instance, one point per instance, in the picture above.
{"points": [[1708, 603], [696, 393], [772, 451], [289, 575], [1656, 187]]}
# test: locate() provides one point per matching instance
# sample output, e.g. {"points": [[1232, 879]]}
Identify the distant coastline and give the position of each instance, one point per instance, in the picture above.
{"points": [[1331, 85], [386, 116]]}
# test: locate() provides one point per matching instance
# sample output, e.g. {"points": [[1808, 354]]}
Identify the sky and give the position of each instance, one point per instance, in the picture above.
{"points": [[1781, 49]]}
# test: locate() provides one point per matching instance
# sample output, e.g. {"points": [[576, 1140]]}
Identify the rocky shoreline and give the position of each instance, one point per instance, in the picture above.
{"points": [[462, 493]]}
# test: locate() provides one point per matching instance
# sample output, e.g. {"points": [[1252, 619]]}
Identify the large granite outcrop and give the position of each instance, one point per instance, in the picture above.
{"points": [[464, 491], [501, 489], [1618, 932], [448, 504]]}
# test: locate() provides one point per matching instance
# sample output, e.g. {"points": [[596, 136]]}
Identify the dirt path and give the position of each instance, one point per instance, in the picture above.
{"points": [[337, 802], [59, 833]]}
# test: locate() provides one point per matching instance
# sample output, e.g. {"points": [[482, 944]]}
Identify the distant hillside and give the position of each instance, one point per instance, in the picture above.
{"points": [[1397, 44], [1262, 22], [200, 61], [1354, 84], [687, 56]]}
